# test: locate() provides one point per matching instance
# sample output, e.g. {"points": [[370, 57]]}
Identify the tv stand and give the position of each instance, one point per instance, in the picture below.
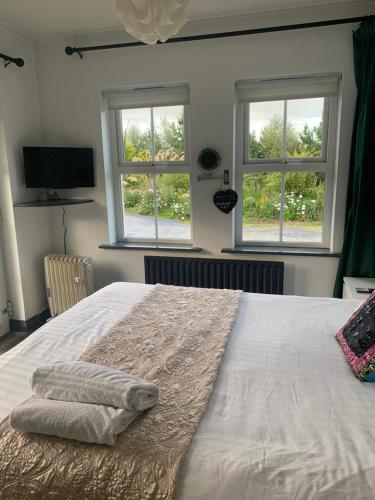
{"points": [[55, 202]]}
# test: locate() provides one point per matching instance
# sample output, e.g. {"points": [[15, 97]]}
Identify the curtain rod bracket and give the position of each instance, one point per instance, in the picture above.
{"points": [[15, 60], [69, 51]]}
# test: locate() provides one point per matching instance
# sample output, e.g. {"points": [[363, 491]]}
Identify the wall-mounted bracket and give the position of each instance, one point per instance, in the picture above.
{"points": [[208, 177], [15, 60], [203, 177]]}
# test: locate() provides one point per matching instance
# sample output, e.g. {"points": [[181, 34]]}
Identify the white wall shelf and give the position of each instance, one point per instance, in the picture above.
{"points": [[53, 203]]}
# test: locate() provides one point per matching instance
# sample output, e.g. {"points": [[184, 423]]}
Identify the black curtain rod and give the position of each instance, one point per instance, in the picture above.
{"points": [[226, 34], [8, 60]]}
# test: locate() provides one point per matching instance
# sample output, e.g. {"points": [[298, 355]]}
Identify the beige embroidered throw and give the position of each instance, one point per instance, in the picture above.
{"points": [[175, 337]]}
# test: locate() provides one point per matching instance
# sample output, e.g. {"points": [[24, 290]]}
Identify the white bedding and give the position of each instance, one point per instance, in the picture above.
{"points": [[287, 418]]}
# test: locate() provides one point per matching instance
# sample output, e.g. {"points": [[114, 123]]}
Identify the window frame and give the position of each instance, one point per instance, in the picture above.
{"points": [[324, 164], [121, 167]]}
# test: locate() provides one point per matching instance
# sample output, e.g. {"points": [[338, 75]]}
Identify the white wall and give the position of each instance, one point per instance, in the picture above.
{"points": [[25, 233], [70, 91]]}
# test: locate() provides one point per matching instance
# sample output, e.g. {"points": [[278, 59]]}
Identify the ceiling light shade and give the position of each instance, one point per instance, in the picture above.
{"points": [[152, 20]]}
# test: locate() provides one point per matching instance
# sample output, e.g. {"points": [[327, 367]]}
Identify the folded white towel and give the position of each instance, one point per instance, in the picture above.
{"points": [[90, 383], [79, 421]]}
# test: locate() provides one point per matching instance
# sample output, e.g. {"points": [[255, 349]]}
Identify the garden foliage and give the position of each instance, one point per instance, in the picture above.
{"points": [[304, 191]]}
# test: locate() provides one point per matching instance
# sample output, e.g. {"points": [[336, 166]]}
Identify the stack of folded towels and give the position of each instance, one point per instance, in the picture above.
{"points": [[83, 401]]}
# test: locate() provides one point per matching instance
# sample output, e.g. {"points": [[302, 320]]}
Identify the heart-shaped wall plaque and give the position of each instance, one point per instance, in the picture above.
{"points": [[226, 200]]}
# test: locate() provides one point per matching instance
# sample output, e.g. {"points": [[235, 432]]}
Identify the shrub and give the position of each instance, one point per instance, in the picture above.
{"points": [[172, 205], [132, 198], [300, 208]]}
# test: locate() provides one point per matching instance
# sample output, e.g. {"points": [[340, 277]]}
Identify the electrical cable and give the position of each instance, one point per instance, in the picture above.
{"points": [[65, 228]]}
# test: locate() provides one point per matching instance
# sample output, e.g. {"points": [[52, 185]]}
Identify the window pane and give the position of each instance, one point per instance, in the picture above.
{"points": [[139, 218], [266, 123], [303, 207], [173, 194], [137, 137], [169, 133], [261, 207], [305, 128]]}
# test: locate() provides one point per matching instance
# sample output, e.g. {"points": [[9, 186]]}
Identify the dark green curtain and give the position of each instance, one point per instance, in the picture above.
{"points": [[358, 252]]}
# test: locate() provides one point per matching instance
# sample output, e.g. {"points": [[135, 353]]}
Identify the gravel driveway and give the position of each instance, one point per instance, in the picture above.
{"points": [[143, 226], [291, 232]]}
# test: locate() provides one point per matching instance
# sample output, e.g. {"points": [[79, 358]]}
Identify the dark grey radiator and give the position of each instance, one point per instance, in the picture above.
{"points": [[247, 275]]}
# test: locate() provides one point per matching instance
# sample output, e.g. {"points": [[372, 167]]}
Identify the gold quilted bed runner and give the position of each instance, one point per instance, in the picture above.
{"points": [[175, 337]]}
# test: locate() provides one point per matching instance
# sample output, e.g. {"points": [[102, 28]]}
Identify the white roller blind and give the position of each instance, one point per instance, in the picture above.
{"points": [[287, 88], [147, 97]]}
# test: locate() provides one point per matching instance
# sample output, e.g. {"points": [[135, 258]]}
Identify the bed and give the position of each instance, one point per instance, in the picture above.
{"points": [[286, 420]]}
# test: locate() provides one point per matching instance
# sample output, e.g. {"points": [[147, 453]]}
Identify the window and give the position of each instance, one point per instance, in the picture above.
{"points": [[151, 170], [286, 161]]}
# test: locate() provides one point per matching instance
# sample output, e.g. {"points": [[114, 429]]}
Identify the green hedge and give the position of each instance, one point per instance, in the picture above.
{"points": [[303, 197], [171, 205], [303, 201]]}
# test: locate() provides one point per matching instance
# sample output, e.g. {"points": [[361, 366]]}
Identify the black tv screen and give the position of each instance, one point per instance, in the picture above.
{"points": [[58, 168]]}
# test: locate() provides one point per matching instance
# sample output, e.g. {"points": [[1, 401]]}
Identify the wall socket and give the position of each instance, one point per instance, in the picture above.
{"points": [[9, 308]]}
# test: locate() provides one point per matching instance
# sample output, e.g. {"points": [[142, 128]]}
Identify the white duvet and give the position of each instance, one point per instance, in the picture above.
{"points": [[287, 418]]}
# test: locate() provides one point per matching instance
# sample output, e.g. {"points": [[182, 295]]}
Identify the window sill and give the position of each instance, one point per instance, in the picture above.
{"points": [[150, 246], [302, 252]]}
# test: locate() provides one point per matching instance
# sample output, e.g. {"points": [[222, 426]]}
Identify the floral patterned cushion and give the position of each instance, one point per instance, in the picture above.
{"points": [[357, 340]]}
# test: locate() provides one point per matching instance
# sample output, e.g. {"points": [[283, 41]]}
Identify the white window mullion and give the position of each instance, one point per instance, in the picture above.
{"points": [[121, 215], [239, 171], [186, 136], [238, 214], [246, 134], [120, 137], [325, 134], [282, 207], [284, 130], [155, 207], [287, 167], [152, 137], [154, 174]]}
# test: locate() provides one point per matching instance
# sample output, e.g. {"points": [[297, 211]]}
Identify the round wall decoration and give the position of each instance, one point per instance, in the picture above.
{"points": [[209, 159]]}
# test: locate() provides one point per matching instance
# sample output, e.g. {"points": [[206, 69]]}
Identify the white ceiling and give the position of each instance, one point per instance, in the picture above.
{"points": [[44, 18]]}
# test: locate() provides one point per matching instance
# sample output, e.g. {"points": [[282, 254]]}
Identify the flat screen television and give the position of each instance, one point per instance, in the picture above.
{"points": [[58, 168]]}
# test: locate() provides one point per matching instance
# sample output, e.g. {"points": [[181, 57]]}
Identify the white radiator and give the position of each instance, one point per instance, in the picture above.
{"points": [[69, 279]]}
